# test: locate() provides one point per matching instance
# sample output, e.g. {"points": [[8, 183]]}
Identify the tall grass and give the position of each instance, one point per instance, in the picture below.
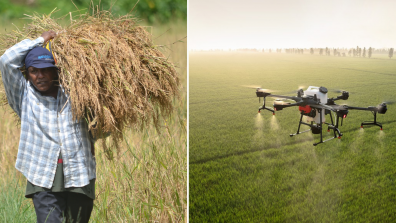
{"points": [[146, 182], [13, 206]]}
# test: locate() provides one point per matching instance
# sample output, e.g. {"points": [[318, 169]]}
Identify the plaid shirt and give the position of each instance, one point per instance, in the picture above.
{"points": [[47, 127]]}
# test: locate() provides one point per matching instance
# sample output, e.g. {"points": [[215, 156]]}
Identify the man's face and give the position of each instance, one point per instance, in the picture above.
{"points": [[42, 78]]}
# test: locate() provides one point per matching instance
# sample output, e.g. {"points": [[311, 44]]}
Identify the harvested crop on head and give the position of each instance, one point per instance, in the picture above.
{"points": [[115, 76]]}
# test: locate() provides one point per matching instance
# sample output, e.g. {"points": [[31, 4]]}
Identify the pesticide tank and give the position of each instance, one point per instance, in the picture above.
{"points": [[321, 93]]}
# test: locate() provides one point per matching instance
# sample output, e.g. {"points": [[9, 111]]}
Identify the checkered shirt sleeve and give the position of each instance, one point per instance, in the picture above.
{"points": [[13, 80]]}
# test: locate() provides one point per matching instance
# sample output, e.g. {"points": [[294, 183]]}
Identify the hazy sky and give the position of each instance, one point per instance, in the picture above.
{"points": [[225, 24]]}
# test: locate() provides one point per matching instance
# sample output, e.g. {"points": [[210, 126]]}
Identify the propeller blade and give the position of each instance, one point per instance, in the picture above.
{"points": [[295, 91], [282, 99], [266, 90], [259, 88], [251, 86], [339, 91], [389, 102], [281, 103]]}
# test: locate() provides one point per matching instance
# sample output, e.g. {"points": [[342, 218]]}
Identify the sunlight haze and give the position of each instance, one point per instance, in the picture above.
{"points": [[230, 24]]}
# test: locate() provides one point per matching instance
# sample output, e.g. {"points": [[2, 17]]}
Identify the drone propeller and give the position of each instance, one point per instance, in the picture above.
{"points": [[336, 91], [259, 88], [281, 102], [389, 102], [301, 87], [266, 90], [251, 86], [282, 99], [339, 91], [298, 89]]}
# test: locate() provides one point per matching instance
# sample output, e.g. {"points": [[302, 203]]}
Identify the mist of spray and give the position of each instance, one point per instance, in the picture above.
{"points": [[381, 135], [274, 123], [361, 132], [358, 141], [378, 149], [258, 138], [259, 122]]}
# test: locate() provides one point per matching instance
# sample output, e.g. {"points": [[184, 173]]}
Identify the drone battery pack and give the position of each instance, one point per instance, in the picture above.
{"points": [[321, 94]]}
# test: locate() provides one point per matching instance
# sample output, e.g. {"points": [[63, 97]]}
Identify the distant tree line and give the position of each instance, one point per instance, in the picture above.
{"points": [[342, 52], [295, 50], [339, 52]]}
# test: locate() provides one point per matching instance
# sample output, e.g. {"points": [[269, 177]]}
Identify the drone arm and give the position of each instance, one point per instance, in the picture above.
{"points": [[296, 99], [335, 99], [371, 108], [343, 96], [322, 106], [280, 107], [381, 109]]}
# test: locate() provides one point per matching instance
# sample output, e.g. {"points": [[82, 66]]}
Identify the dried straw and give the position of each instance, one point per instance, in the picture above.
{"points": [[115, 76]]}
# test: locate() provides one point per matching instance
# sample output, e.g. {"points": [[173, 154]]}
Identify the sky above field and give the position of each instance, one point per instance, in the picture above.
{"points": [[262, 24]]}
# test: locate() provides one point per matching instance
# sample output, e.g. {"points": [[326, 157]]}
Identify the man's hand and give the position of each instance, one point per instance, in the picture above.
{"points": [[48, 35]]}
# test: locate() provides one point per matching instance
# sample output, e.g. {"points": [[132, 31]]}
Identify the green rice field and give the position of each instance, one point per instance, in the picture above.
{"points": [[244, 166]]}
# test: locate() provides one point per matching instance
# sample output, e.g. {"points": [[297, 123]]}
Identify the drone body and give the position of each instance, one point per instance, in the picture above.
{"points": [[321, 94], [314, 105]]}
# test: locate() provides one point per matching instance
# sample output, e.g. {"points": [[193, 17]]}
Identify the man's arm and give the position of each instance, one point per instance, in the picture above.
{"points": [[11, 61], [13, 80]]}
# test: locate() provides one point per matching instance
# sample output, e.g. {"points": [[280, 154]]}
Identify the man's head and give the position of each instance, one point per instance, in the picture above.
{"points": [[41, 69]]}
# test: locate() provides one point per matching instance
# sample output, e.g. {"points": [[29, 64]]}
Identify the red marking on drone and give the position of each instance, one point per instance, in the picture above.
{"points": [[306, 108]]}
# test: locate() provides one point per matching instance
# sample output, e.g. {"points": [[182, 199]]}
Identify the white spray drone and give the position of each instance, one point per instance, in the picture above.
{"points": [[314, 105]]}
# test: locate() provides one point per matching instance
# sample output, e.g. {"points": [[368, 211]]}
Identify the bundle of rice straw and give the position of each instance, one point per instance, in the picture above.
{"points": [[115, 76]]}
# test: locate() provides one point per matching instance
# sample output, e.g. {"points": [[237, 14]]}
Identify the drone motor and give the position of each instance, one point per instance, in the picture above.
{"points": [[382, 108], [345, 95]]}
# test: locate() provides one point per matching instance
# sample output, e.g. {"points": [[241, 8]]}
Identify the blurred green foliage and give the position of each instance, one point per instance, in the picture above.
{"points": [[151, 11]]}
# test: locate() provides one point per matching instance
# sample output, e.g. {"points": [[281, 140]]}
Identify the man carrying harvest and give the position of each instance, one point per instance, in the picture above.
{"points": [[55, 153]]}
